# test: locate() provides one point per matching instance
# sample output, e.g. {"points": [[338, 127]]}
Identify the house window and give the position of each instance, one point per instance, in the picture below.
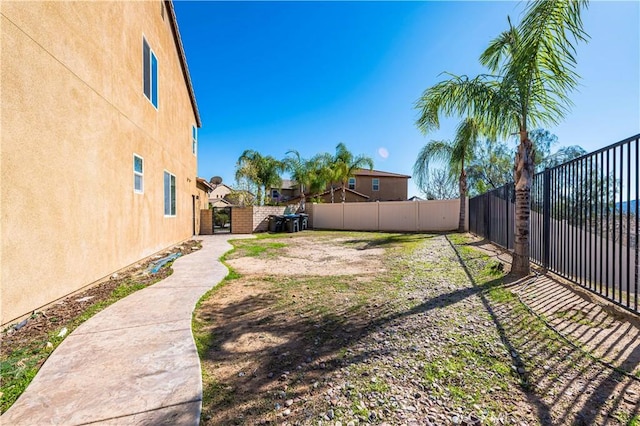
{"points": [[352, 183], [149, 73], [138, 174], [169, 194], [275, 194], [194, 140], [375, 184]]}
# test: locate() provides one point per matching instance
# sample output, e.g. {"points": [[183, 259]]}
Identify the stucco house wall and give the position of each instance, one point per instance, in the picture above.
{"points": [[392, 186], [73, 115]]}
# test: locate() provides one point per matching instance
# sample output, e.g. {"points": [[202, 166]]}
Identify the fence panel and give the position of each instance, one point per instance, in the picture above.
{"points": [[584, 220], [391, 216], [491, 215], [360, 216]]}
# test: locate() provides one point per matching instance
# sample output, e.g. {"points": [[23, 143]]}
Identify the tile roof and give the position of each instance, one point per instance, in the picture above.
{"points": [[378, 173]]}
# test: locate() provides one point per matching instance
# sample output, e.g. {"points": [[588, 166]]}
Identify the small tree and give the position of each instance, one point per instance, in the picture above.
{"points": [[535, 68], [345, 165], [263, 171], [307, 173], [441, 186], [455, 154]]}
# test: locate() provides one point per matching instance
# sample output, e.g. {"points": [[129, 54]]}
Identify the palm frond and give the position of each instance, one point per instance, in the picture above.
{"points": [[458, 95], [543, 66], [438, 151], [500, 49]]}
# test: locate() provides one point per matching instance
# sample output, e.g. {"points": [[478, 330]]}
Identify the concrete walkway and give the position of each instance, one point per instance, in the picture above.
{"points": [[133, 363]]}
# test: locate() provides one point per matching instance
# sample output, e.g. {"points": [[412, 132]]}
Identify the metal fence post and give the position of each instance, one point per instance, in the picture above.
{"points": [[546, 218]]}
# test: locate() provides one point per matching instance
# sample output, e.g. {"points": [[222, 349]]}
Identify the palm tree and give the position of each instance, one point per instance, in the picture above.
{"points": [[535, 68], [263, 171], [345, 165], [456, 153], [308, 173]]}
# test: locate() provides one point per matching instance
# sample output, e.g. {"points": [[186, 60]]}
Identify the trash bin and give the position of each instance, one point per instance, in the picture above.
{"points": [[292, 223], [304, 221], [275, 223]]}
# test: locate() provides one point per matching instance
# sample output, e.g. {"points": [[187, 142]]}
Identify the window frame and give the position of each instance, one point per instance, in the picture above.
{"points": [[375, 184], [350, 185], [172, 190], [138, 173], [194, 140], [150, 70]]}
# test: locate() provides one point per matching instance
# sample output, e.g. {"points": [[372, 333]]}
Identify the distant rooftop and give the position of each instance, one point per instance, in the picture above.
{"points": [[365, 172]]}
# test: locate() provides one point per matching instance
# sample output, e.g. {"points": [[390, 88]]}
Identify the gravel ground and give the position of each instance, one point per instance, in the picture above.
{"points": [[439, 340]]}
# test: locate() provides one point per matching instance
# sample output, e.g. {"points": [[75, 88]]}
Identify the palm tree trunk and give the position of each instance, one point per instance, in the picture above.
{"points": [[344, 193], [302, 198], [259, 195], [332, 193], [462, 185], [523, 177]]}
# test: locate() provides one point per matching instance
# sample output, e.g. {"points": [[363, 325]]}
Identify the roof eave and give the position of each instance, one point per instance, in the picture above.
{"points": [[183, 59]]}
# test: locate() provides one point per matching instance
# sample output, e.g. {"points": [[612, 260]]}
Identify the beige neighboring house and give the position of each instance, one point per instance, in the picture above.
{"points": [[367, 185], [377, 185], [223, 195], [96, 99], [200, 202], [216, 197]]}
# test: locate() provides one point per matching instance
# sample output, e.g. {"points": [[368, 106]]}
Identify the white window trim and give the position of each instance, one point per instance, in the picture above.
{"points": [[137, 173], [175, 194], [349, 183], [144, 40], [373, 184]]}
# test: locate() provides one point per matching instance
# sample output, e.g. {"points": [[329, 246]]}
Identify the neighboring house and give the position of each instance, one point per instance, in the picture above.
{"points": [[218, 193], [200, 201], [219, 202], [351, 196], [366, 185], [380, 186], [288, 189], [96, 99], [223, 196]]}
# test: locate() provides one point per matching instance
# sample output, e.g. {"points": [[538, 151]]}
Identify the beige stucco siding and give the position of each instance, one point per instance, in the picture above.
{"points": [[73, 114], [390, 189]]}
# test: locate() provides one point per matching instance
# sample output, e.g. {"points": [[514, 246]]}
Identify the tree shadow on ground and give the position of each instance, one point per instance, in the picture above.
{"points": [[265, 356], [389, 240]]}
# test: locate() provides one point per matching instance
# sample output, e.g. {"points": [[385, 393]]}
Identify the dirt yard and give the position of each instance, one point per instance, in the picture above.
{"points": [[346, 329]]}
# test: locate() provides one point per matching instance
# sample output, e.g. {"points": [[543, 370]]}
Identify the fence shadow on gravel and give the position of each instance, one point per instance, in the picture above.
{"points": [[589, 392]]}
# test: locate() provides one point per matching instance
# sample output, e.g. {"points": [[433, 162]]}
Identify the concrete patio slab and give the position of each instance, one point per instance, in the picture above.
{"points": [[134, 363]]}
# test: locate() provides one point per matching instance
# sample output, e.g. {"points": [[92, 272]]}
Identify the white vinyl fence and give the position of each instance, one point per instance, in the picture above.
{"points": [[392, 216]]}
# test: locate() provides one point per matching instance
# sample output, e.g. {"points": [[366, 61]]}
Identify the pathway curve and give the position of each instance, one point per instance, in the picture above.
{"points": [[134, 362]]}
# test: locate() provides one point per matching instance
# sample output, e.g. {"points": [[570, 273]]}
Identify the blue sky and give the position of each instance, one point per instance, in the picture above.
{"points": [[275, 76]]}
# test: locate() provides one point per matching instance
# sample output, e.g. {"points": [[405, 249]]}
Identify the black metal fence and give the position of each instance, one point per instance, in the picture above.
{"points": [[584, 220]]}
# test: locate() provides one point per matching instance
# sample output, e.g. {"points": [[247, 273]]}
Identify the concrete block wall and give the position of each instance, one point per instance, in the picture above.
{"points": [[206, 222], [261, 216]]}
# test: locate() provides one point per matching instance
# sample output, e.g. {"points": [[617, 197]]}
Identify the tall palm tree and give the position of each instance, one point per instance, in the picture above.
{"points": [[345, 165], [456, 154], [535, 67], [263, 171], [308, 173]]}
